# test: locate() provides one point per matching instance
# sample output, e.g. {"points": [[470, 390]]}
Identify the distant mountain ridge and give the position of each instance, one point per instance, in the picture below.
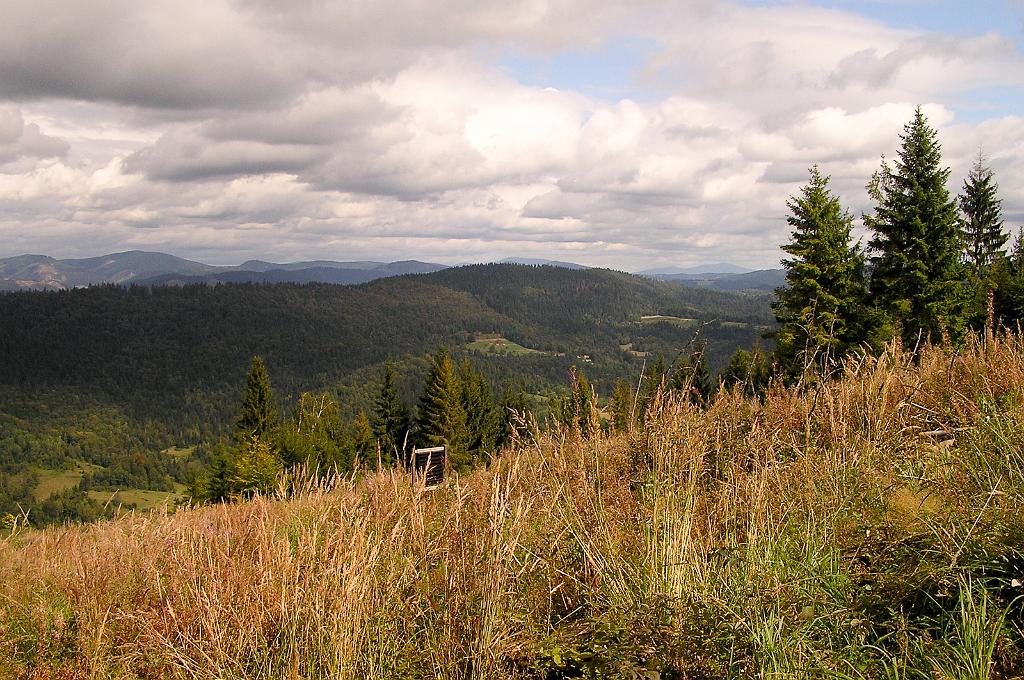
{"points": [[36, 272], [761, 281], [318, 274], [42, 272], [533, 261], [710, 268]]}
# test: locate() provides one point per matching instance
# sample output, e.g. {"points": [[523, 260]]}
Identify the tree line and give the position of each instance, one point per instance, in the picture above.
{"points": [[935, 267], [457, 408]]}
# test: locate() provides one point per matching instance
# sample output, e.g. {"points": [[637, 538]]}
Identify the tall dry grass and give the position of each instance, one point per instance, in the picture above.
{"points": [[866, 527]]}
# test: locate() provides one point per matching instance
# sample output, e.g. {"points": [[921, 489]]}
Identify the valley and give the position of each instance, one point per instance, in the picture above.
{"points": [[98, 383]]}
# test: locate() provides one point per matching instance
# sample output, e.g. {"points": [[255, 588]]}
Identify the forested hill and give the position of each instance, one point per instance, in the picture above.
{"points": [[574, 301], [180, 352]]}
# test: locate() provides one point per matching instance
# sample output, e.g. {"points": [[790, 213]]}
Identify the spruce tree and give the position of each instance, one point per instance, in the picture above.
{"points": [[622, 406], [693, 377], [652, 381], [1017, 253], [749, 369], [916, 277], [820, 310], [981, 219], [576, 409], [514, 410], [441, 418], [482, 419], [258, 414], [390, 418]]}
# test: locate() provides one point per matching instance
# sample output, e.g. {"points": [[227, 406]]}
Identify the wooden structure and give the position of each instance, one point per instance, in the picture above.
{"points": [[431, 463]]}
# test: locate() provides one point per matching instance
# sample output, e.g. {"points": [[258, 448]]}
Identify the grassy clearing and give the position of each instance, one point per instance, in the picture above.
{"points": [[866, 528], [140, 499], [499, 345], [662, 318], [628, 348], [179, 452], [55, 481]]}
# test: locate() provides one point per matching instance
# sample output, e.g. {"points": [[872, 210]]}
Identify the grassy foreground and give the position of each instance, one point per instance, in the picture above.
{"points": [[869, 527]]}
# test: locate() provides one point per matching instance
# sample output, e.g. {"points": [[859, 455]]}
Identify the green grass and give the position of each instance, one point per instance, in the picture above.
{"points": [[659, 318], [55, 481], [820, 533], [499, 345], [628, 348], [142, 499], [179, 452]]}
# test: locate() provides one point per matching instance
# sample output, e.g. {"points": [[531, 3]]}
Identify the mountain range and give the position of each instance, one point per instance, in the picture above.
{"points": [[41, 272]]}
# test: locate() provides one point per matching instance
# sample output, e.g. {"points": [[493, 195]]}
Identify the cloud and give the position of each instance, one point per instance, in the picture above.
{"points": [[226, 129], [183, 156], [21, 141]]}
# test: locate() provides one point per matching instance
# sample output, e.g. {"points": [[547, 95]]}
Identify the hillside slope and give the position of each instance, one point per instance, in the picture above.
{"points": [[148, 347], [869, 528]]}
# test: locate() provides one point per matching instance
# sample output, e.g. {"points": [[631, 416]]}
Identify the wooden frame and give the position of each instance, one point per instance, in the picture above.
{"points": [[432, 463]]}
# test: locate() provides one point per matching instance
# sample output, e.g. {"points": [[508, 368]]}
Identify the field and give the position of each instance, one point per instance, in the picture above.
{"points": [[55, 481], [140, 499], [676, 320], [862, 528], [495, 344]]}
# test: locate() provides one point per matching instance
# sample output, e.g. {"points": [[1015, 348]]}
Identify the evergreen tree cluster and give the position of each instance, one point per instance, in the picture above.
{"points": [[931, 265], [456, 409]]}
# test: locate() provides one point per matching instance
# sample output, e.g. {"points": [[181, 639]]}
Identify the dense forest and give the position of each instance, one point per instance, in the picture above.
{"points": [[936, 265], [111, 388], [167, 365]]}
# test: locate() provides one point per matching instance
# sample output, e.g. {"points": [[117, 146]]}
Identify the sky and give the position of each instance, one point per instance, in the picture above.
{"points": [[630, 134]]}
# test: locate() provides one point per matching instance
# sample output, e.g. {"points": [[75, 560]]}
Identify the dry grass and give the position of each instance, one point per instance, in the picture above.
{"points": [[866, 527]]}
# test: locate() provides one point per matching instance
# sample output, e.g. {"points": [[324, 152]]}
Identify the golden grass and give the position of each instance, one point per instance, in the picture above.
{"points": [[821, 533]]}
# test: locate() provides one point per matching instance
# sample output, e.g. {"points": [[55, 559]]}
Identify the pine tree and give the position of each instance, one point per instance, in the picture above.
{"points": [[515, 417], [363, 443], [820, 310], [441, 418], [258, 414], [576, 410], [622, 406], [482, 419], [981, 219], [693, 377], [751, 369], [916, 277], [390, 418]]}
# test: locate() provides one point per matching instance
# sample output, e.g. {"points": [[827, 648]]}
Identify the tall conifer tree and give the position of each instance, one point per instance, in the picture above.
{"points": [[821, 309], [441, 418], [981, 219], [482, 418], [390, 418], [916, 277], [259, 414]]}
